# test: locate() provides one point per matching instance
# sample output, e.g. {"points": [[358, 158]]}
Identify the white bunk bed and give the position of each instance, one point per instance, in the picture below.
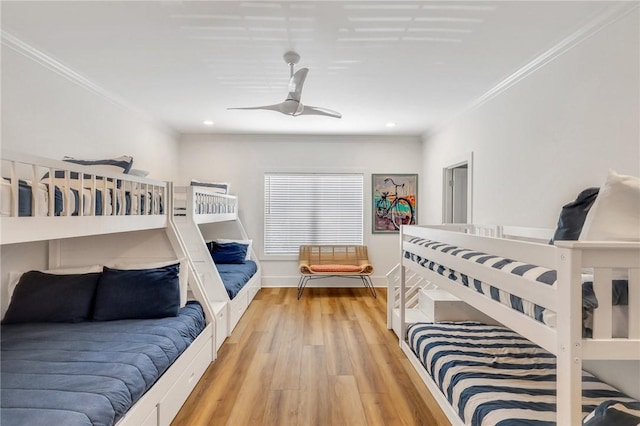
{"points": [[434, 256], [117, 237], [29, 215], [202, 215]]}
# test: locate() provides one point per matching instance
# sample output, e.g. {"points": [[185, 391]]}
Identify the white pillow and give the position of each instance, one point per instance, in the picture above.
{"points": [[138, 172], [247, 242], [14, 277], [615, 215]]}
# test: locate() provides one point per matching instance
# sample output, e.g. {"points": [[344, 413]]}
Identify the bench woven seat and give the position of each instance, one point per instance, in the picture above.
{"points": [[335, 269], [321, 261]]}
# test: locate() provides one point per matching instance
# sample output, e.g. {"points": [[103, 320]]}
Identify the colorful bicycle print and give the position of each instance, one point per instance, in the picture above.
{"points": [[394, 201]]}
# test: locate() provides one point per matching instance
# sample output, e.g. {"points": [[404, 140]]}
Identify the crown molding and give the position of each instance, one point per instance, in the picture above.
{"points": [[583, 33], [14, 43]]}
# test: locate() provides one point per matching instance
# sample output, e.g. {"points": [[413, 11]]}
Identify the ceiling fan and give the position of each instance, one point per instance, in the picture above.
{"points": [[292, 105]]}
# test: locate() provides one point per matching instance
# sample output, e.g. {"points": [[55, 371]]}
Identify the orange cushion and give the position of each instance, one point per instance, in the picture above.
{"points": [[335, 268]]}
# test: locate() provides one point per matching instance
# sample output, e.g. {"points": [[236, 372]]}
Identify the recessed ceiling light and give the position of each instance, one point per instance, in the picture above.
{"points": [[390, 124], [208, 123]]}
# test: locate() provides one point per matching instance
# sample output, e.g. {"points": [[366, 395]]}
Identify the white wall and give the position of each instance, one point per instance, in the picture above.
{"points": [[545, 139], [538, 144], [47, 114], [242, 160]]}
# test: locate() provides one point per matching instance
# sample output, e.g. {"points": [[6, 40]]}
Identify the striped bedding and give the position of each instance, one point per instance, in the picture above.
{"points": [[493, 376], [533, 273], [538, 275]]}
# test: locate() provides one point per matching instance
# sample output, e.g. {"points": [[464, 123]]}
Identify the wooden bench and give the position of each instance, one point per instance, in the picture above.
{"points": [[324, 261]]}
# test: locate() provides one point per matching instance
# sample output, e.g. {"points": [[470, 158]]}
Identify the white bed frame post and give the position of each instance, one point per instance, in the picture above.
{"points": [[55, 260], [403, 325], [569, 332]]}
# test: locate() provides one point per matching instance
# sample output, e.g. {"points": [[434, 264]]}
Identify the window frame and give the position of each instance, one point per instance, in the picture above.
{"points": [[366, 200]]}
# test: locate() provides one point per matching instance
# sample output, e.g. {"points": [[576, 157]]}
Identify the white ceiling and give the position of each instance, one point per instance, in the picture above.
{"points": [[415, 63]]}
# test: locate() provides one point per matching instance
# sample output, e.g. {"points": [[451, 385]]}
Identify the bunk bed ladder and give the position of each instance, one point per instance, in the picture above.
{"points": [[414, 284], [199, 255], [196, 213]]}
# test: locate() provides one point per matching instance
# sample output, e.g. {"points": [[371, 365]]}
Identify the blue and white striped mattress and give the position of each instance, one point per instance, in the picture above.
{"points": [[538, 275], [493, 376]]}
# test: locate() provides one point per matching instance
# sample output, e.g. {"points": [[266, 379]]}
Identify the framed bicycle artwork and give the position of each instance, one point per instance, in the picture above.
{"points": [[395, 198]]}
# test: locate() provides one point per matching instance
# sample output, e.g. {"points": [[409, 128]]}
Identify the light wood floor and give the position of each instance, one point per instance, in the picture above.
{"points": [[327, 359]]}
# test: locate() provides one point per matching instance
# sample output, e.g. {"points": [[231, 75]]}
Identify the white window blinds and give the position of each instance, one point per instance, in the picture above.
{"points": [[306, 208]]}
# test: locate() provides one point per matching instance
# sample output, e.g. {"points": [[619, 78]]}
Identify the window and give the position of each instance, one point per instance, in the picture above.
{"points": [[311, 208]]}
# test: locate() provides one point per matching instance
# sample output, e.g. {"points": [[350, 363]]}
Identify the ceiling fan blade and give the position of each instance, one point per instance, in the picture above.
{"points": [[292, 105], [296, 82], [309, 110], [289, 107], [276, 107]]}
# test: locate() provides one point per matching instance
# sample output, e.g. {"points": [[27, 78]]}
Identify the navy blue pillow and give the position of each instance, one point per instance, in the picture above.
{"points": [[137, 293], [615, 413], [573, 215], [120, 164], [115, 165], [42, 297], [228, 252]]}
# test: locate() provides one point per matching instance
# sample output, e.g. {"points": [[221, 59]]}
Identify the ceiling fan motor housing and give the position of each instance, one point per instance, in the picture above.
{"points": [[291, 58]]}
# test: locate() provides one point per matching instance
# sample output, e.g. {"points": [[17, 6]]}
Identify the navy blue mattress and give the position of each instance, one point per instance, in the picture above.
{"points": [[235, 275], [87, 373]]}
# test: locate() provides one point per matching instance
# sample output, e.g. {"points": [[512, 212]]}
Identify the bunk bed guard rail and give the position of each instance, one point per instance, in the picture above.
{"points": [[39, 195]]}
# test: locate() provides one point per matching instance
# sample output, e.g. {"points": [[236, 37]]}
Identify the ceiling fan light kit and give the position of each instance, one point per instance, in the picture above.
{"points": [[292, 105]]}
